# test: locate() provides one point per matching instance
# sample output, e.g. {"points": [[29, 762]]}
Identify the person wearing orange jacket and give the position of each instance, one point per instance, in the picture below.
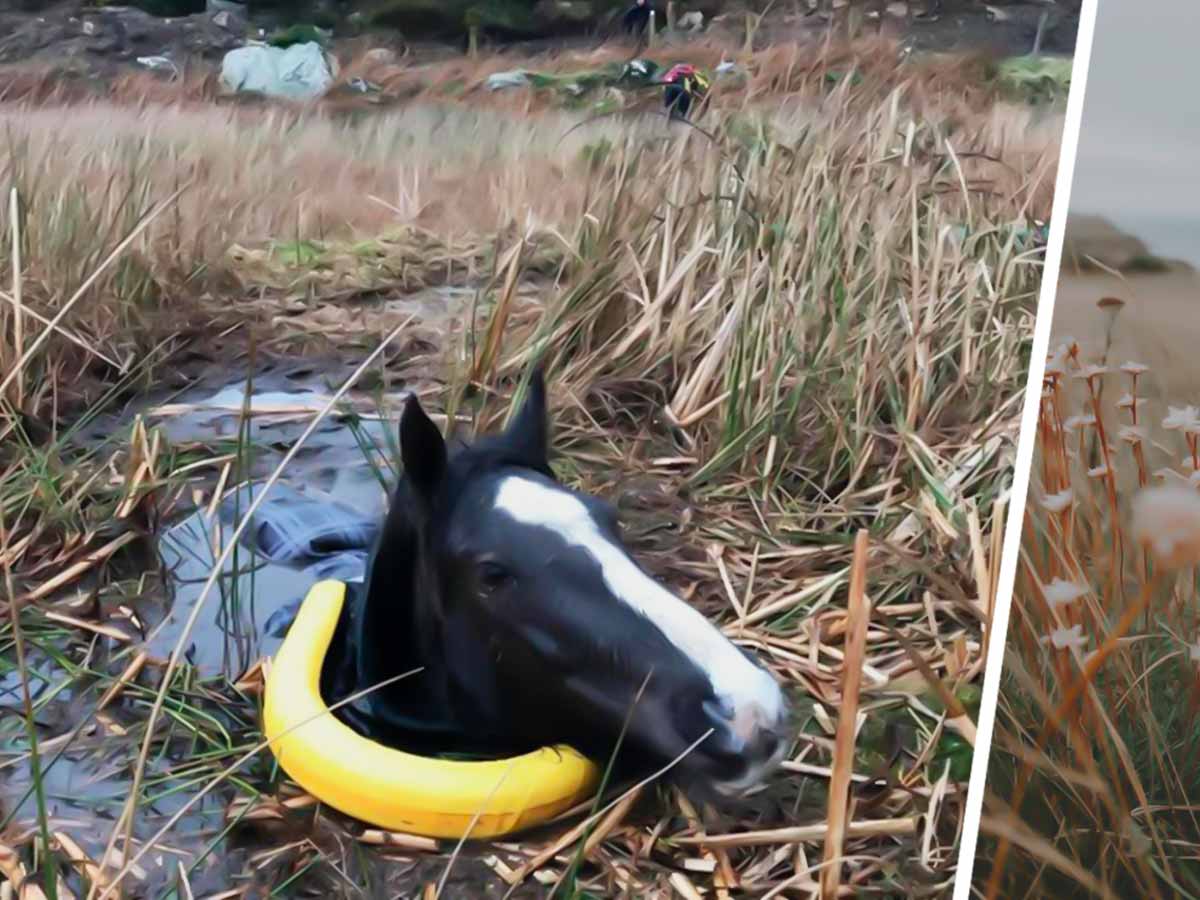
{"points": [[684, 86]]}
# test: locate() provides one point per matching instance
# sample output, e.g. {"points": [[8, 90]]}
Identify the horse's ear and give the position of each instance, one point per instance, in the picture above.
{"points": [[422, 449], [528, 434]]}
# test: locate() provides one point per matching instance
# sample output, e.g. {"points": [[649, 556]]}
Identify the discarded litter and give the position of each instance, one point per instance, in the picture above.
{"points": [[159, 64], [501, 80], [298, 72], [639, 70]]}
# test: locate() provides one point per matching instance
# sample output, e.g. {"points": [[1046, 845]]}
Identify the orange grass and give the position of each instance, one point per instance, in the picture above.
{"points": [[1091, 780]]}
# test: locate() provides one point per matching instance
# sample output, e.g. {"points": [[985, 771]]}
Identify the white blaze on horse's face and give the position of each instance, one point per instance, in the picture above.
{"points": [[752, 701]]}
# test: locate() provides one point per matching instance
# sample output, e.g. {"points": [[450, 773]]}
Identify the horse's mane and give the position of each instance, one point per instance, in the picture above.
{"points": [[384, 634]]}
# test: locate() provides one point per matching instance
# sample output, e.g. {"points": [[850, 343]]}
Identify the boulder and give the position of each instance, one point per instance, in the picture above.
{"points": [[1095, 238], [380, 56]]}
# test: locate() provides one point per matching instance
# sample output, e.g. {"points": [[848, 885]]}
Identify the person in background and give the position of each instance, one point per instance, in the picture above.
{"points": [[637, 17], [684, 85]]}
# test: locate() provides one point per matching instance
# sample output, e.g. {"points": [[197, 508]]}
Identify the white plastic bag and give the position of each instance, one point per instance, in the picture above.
{"points": [[299, 72]]}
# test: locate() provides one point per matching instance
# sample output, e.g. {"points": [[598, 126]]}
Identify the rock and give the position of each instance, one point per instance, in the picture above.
{"points": [[231, 7], [224, 19], [89, 27], [501, 80], [1095, 237], [298, 33], [299, 72], [380, 56], [691, 21]]}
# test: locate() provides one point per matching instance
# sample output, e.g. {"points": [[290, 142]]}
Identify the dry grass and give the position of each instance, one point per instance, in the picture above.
{"points": [[945, 83], [1091, 785], [815, 324]]}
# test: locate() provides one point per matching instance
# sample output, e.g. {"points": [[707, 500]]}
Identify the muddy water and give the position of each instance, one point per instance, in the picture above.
{"points": [[341, 470], [338, 473]]}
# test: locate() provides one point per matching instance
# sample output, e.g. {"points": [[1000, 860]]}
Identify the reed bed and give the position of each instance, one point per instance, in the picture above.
{"points": [[783, 71], [792, 348], [1091, 788]]}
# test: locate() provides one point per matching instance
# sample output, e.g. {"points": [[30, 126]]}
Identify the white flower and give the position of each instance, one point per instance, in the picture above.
{"points": [[1127, 401], [1056, 363], [1132, 434], [1067, 346], [1060, 593], [1090, 371], [1062, 638], [1180, 417], [1058, 502], [1167, 520], [1134, 368]]}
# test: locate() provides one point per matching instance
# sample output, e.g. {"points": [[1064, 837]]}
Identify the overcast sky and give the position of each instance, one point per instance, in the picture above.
{"points": [[1139, 147]]}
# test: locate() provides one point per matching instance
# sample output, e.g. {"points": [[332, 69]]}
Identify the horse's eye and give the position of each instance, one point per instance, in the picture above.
{"points": [[493, 576]]}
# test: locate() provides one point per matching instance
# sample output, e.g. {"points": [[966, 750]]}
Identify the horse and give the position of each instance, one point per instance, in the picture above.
{"points": [[534, 625]]}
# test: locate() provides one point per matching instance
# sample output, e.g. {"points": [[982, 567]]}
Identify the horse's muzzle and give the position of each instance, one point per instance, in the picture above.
{"points": [[744, 747]]}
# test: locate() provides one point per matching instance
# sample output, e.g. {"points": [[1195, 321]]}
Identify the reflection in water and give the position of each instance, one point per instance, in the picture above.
{"points": [[296, 537], [318, 521]]}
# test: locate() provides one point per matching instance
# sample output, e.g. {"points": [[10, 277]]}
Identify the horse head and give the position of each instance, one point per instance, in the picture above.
{"points": [[540, 624]]}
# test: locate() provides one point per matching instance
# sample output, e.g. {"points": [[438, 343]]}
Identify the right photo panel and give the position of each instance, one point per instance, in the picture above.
{"points": [[1093, 784]]}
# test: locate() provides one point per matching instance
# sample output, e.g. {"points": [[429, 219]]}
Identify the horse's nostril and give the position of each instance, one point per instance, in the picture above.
{"points": [[768, 745], [720, 711], [746, 733]]}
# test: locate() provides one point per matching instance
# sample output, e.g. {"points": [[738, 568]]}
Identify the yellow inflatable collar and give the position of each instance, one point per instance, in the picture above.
{"points": [[388, 788]]}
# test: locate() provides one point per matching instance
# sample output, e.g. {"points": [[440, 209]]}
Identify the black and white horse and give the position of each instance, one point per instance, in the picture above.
{"points": [[535, 625]]}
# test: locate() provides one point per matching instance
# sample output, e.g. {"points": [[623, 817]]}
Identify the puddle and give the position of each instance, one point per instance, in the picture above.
{"points": [[261, 580], [84, 795], [317, 521]]}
